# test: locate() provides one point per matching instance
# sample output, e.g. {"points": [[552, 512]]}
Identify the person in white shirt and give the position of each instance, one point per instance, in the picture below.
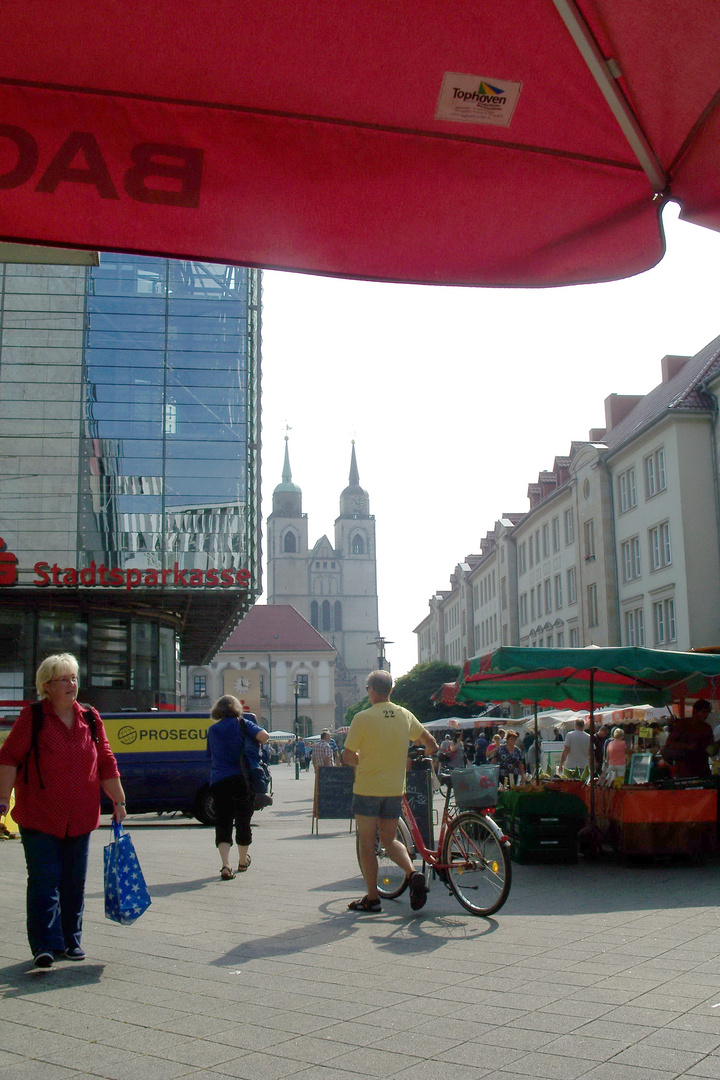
{"points": [[576, 752]]}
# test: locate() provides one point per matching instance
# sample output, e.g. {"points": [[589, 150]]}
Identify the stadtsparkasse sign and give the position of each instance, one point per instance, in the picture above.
{"points": [[52, 575], [133, 578]]}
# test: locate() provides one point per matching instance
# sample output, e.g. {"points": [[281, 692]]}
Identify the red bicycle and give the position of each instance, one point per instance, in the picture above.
{"points": [[472, 857]]}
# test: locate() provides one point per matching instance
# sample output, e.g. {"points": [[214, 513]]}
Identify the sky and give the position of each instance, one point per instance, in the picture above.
{"points": [[457, 398]]}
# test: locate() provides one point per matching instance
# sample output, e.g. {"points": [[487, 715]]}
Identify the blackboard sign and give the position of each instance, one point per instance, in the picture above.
{"points": [[640, 765], [333, 792], [419, 795]]}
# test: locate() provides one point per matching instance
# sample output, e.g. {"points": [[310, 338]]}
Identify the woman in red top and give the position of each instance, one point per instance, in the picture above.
{"points": [[57, 779]]}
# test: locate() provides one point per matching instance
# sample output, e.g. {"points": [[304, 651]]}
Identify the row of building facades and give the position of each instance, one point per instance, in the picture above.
{"points": [[621, 544]]}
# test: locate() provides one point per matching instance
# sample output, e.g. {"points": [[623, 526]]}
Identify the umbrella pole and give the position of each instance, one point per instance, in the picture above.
{"points": [[592, 748], [537, 749], [590, 837]]}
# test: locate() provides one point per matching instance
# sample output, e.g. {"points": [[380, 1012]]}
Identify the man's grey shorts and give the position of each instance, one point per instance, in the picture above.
{"points": [[379, 806]]}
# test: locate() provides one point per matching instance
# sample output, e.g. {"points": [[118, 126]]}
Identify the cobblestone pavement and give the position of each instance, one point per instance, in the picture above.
{"points": [[600, 970]]}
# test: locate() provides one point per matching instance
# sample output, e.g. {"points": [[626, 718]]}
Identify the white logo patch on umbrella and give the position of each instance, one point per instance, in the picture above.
{"points": [[473, 99]]}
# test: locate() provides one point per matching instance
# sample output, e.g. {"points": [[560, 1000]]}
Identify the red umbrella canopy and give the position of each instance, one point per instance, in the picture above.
{"points": [[526, 144]]}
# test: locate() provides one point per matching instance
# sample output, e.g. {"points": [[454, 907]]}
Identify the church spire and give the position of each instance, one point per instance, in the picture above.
{"points": [[287, 474], [354, 501], [354, 478], [287, 497]]}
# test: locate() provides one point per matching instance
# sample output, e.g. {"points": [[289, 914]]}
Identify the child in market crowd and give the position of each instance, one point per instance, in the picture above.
{"points": [[615, 756]]}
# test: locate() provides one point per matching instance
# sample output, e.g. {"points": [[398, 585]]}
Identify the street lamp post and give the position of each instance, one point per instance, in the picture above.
{"points": [[297, 724]]}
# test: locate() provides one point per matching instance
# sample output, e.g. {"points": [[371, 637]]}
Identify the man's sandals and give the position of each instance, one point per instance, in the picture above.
{"points": [[365, 904]]}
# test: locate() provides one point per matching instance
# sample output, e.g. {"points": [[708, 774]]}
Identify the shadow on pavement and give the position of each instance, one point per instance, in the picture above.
{"points": [[19, 980]]}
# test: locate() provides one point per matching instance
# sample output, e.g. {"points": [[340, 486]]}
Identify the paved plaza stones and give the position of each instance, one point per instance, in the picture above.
{"points": [[604, 971]]}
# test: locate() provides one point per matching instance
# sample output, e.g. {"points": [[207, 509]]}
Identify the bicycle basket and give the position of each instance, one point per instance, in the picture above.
{"points": [[475, 786]]}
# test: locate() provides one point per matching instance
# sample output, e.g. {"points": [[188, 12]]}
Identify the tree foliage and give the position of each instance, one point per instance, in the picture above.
{"points": [[415, 690], [364, 703]]}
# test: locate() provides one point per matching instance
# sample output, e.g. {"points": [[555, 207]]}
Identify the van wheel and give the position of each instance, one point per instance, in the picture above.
{"points": [[204, 809]]}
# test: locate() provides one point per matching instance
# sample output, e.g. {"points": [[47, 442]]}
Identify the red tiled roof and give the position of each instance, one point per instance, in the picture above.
{"points": [[275, 628]]}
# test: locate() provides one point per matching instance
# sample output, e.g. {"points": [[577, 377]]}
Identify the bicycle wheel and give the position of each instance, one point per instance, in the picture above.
{"points": [[479, 869], [391, 879]]}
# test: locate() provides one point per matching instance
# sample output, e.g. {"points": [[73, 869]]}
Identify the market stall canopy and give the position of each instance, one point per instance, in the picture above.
{"points": [[582, 677], [446, 694], [281, 735], [527, 144], [564, 719]]}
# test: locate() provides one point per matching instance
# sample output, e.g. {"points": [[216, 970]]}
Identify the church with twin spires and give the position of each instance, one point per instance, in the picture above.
{"points": [[332, 585]]}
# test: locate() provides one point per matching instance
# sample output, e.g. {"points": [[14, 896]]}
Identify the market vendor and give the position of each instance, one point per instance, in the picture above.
{"points": [[687, 744]]}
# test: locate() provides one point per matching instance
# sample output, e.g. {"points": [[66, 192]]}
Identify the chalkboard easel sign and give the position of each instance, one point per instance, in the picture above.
{"points": [[333, 793], [418, 792]]}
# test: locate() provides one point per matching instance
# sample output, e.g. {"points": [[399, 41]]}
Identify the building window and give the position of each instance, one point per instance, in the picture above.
{"points": [[539, 600], [530, 548], [326, 625], [635, 627], [560, 639], [523, 608], [592, 605], [545, 541], [358, 546], [290, 544], [522, 558], [569, 526], [627, 490], [574, 637], [664, 621], [655, 473], [199, 686], [338, 615], [548, 595], [630, 558], [532, 605], [302, 686], [660, 549], [549, 641], [571, 586], [314, 621], [556, 533], [589, 537], [558, 591]]}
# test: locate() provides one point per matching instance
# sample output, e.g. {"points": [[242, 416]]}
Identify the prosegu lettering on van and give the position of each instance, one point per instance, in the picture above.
{"points": [[173, 734]]}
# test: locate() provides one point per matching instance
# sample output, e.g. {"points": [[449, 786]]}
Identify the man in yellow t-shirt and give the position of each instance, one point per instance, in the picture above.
{"points": [[377, 744]]}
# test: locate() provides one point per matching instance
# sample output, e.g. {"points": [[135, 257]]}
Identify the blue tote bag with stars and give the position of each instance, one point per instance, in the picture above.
{"points": [[126, 895]]}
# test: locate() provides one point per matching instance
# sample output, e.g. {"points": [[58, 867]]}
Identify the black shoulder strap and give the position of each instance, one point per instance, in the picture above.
{"points": [[37, 721], [243, 729], [89, 718]]}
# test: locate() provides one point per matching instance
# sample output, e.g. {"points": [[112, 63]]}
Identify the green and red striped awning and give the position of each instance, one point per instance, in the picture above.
{"points": [[575, 678]]}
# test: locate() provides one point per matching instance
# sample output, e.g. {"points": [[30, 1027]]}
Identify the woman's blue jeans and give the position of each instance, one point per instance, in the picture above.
{"points": [[57, 868]]}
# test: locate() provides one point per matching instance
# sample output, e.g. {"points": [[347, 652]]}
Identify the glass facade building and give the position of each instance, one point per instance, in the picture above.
{"points": [[129, 470]]}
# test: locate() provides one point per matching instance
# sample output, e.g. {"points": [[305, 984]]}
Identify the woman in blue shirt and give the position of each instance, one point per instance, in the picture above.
{"points": [[233, 797]]}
